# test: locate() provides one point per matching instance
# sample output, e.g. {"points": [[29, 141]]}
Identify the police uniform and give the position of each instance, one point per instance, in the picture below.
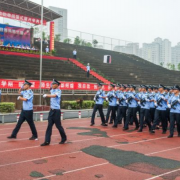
{"points": [[152, 105], [99, 100], [132, 109], [144, 109], [174, 105], [26, 113], [122, 108], [111, 97], [160, 112], [54, 116], [167, 108]]}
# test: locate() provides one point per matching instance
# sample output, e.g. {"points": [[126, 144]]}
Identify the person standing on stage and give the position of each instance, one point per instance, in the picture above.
{"points": [[174, 105], [54, 114], [99, 100], [160, 112], [27, 111]]}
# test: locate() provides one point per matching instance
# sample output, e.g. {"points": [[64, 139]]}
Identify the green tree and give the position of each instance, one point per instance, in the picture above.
{"points": [[94, 42], [172, 67], [162, 64], [179, 66], [57, 37], [77, 41], [43, 35], [169, 65], [88, 44], [67, 40]]}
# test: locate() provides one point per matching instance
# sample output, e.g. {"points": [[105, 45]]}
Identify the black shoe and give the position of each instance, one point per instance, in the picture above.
{"points": [[110, 122], [152, 131], [164, 132], [92, 124], [136, 128], [11, 137], [158, 127], [114, 126], [140, 130], [33, 138], [103, 124], [124, 129], [130, 123], [45, 144], [170, 136], [62, 142], [119, 122], [178, 135]]}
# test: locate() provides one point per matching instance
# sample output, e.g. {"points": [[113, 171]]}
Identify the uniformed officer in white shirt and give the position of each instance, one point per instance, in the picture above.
{"points": [[27, 111], [54, 114]]}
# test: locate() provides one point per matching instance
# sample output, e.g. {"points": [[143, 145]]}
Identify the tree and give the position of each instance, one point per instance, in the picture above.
{"points": [[179, 66], [67, 40], [169, 65], [88, 44], [77, 41], [172, 67], [57, 37], [43, 35], [94, 42], [162, 64]]}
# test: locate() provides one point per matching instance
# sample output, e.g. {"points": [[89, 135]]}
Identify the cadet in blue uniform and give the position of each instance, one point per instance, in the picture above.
{"points": [[160, 112], [152, 106], [54, 114], [112, 99], [174, 105], [166, 92], [99, 100], [122, 107], [27, 111], [144, 102], [132, 99]]}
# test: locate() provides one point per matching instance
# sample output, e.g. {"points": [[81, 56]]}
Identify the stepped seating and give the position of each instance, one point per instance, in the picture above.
{"points": [[126, 69]]}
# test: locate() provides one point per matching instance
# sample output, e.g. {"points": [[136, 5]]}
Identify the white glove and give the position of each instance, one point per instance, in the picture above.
{"points": [[106, 99], [147, 100], [133, 96], [45, 95], [163, 98], [127, 101], [178, 100], [169, 106], [114, 95], [117, 102], [18, 97], [100, 96], [124, 97], [155, 104]]}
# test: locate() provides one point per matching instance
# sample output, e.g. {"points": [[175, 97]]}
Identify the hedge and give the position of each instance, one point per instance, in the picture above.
{"points": [[7, 107], [79, 104]]}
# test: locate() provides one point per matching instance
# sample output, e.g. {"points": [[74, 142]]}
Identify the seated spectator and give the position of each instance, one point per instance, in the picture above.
{"points": [[8, 45], [18, 46], [13, 45], [47, 49], [33, 48]]}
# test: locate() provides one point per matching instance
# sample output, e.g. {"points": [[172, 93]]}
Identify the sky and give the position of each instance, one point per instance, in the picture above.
{"points": [[132, 20]]}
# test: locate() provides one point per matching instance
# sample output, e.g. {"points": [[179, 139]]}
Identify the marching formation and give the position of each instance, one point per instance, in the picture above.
{"points": [[150, 106]]}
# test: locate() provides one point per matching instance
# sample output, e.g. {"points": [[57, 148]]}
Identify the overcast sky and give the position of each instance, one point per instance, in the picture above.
{"points": [[133, 20]]}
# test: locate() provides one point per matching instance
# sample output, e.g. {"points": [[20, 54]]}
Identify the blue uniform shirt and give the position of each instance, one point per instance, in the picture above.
{"points": [[133, 103], [163, 103], [88, 68], [152, 97], [146, 104], [28, 94], [55, 102], [122, 96], [101, 94], [113, 98], [176, 108]]}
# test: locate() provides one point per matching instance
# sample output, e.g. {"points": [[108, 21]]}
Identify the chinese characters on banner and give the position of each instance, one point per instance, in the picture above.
{"points": [[51, 35], [16, 84], [21, 17]]}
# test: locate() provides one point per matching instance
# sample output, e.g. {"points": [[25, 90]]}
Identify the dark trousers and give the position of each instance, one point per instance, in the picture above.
{"points": [[87, 73], [160, 116], [121, 113], [138, 110], [168, 114], [74, 56], [98, 107], [131, 113], [174, 117], [145, 115], [28, 116], [54, 118], [112, 110], [111, 119], [152, 112]]}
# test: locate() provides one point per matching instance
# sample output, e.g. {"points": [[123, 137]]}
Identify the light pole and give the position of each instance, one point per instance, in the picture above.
{"points": [[40, 78]]}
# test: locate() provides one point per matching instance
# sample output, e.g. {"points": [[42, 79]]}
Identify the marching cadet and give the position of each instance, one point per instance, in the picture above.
{"points": [[152, 106], [132, 99], [160, 112], [166, 92], [112, 99], [27, 111], [139, 95], [54, 114], [99, 100], [174, 105], [144, 102], [121, 113]]}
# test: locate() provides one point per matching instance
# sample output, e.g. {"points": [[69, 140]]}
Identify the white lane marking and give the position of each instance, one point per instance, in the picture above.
{"points": [[75, 170], [30, 160], [160, 175]]}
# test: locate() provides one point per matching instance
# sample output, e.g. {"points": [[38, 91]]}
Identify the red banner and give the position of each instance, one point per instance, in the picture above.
{"points": [[21, 17], [51, 35], [16, 84]]}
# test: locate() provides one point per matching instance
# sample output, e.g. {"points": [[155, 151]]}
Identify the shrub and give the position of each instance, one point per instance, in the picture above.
{"points": [[7, 107]]}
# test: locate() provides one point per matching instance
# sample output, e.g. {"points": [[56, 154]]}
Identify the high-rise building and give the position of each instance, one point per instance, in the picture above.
{"points": [[60, 25], [176, 55]]}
